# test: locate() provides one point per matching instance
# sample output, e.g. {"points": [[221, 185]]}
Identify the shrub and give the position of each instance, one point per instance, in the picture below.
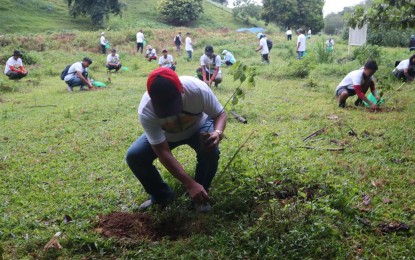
{"points": [[180, 12], [367, 52]]}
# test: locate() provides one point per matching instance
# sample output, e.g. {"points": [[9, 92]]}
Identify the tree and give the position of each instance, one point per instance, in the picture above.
{"points": [[96, 9], [294, 13], [246, 8], [180, 12], [224, 2], [333, 23], [385, 13]]}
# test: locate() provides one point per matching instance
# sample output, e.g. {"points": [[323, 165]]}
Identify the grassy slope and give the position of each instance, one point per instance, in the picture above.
{"points": [[44, 15]]}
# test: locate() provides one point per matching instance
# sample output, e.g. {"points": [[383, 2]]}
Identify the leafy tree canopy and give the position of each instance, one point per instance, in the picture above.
{"points": [[96, 9], [294, 13], [180, 12], [333, 23], [246, 8], [385, 13]]}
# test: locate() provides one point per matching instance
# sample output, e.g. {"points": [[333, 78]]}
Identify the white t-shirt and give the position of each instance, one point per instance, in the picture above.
{"points": [[199, 102], [166, 62], [140, 37], [289, 32], [330, 43], [403, 65], [210, 63], [102, 40], [301, 39], [189, 46], [354, 78], [264, 45], [309, 32], [113, 59], [12, 62], [229, 57], [77, 66], [151, 53]]}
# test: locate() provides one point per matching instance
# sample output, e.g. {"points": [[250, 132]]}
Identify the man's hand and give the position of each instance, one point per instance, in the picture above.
{"points": [[198, 193], [373, 106], [213, 140]]}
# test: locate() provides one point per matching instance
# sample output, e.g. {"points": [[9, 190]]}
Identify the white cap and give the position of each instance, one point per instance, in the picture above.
{"points": [[259, 35], [224, 51]]}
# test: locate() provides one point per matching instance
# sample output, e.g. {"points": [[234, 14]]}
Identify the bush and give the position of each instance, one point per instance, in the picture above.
{"points": [[180, 12], [367, 52]]}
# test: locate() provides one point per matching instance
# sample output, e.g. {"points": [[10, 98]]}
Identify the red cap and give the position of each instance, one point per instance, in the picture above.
{"points": [[165, 91]]}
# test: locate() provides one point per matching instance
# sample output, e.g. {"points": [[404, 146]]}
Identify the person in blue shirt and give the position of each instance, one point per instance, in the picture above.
{"points": [[228, 58]]}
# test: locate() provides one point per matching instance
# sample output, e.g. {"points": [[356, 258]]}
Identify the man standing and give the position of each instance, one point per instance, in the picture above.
{"points": [[103, 43], [309, 33], [209, 71], [14, 68], [189, 46], [78, 75], [289, 34], [176, 111], [263, 47], [113, 61], [301, 47], [166, 61], [178, 42], [358, 82], [140, 41]]}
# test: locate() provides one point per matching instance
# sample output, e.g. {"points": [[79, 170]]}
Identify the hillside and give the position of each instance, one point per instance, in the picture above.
{"points": [[33, 16]]}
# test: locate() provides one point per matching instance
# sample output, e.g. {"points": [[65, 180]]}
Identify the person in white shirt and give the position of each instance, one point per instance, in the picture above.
{"points": [[228, 58], [177, 111], [140, 41], [103, 43], [209, 71], [151, 53], [405, 70], [358, 83], [289, 34], [178, 43], [330, 45], [189, 46], [166, 61], [78, 75], [113, 61], [309, 33], [263, 47], [14, 68], [301, 46]]}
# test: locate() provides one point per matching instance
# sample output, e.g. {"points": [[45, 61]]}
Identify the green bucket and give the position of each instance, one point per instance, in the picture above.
{"points": [[124, 68], [373, 100], [98, 84], [107, 46]]}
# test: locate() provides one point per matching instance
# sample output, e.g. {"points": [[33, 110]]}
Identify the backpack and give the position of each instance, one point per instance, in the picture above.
{"points": [[269, 44], [177, 40], [65, 72]]}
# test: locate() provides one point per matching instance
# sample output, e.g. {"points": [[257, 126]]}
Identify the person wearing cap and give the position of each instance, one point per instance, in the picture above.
{"points": [[189, 46], [103, 43], [301, 46], [209, 71], [78, 75], [405, 70], [263, 47], [113, 61], [166, 61], [176, 111], [412, 43], [140, 41], [357, 83], [14, 68], [178, 43], [151, 53], [228, 58]]}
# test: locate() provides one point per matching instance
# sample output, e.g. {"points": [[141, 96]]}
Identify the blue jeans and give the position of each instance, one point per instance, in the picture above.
{"points": [[140, 158], [300, 55], [189, 55], [75, 81]]}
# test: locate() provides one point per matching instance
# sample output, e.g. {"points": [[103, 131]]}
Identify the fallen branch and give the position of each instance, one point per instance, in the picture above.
{"points": [[237, 151], [319, 148], [316, 133], [239, 117]]}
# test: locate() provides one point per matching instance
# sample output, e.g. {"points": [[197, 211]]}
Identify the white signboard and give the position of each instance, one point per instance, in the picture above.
{"points": [[357, 37]]}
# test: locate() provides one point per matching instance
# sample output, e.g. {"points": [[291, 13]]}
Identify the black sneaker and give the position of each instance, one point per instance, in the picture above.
{"points": [[358, 102], [342, 104]]}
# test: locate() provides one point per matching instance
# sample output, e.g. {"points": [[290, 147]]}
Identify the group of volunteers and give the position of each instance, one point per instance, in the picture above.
{"points": [[183, 110]]}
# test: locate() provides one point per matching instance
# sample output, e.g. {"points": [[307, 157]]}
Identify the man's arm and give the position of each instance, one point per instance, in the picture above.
{"points": [[298, 45], [84, 80], [362, 96], [215, 136], [196, 191], [204, 72], [214, 75]]}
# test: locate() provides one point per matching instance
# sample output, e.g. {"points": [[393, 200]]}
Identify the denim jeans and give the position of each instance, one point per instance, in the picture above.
{"points": [[300, 55], [75, 81], [140, 158], [189, 55]]}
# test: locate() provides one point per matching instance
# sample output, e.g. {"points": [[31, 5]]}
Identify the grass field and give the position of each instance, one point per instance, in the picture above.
{"points": [[62, 155]]}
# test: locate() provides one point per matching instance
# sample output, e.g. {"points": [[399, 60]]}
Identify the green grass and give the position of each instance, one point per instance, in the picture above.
{"points": [[34, 16], [63, 154]]}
